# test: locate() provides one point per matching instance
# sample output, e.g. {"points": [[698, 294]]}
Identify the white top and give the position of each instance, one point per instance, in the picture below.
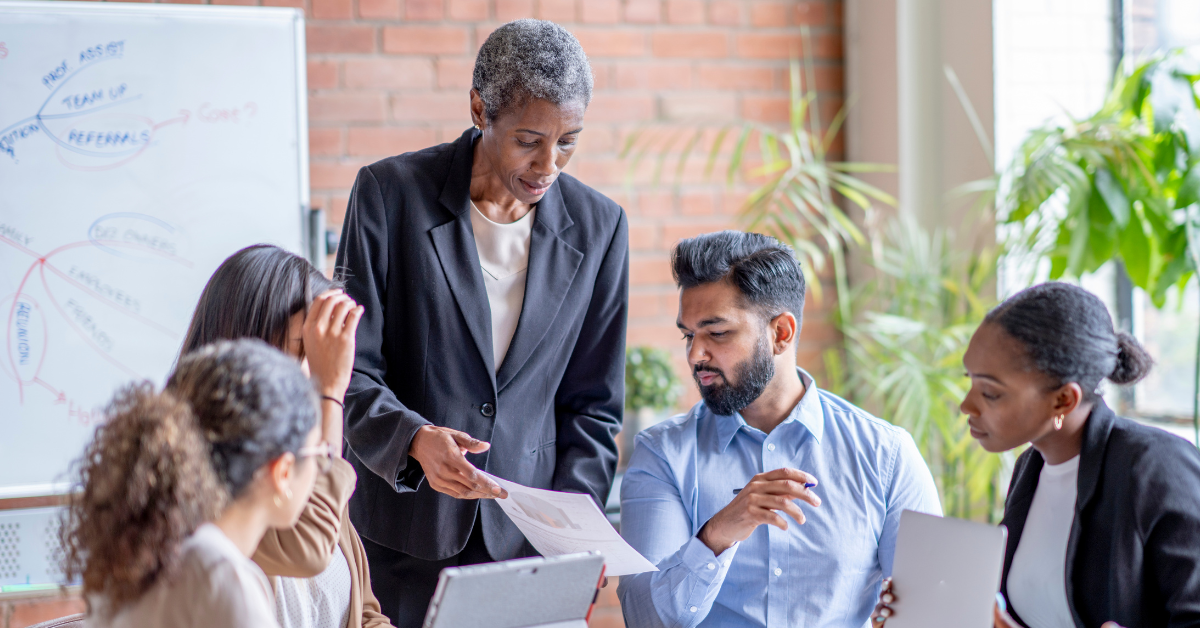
{"points": [[322, 601], [1037, 580], [504, 256], [215, 585]]}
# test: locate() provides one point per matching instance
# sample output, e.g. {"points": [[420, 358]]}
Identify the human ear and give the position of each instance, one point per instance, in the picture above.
{"points": [[281, 471], [478, 110], [784, 329], [1067, 398]]}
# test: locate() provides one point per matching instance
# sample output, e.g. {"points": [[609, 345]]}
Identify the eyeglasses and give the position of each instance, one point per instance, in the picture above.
{"points": [[323, 453]]}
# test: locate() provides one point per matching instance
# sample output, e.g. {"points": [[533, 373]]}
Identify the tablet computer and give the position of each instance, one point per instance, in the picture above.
{"points": [[946, 573], [555, 592]]}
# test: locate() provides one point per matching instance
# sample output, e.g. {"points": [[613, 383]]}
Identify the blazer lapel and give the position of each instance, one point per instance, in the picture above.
{"points": [[1091, 461], [552, 267], [454, 243]]}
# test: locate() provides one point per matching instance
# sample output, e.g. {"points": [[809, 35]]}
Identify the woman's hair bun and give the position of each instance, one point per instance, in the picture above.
{"points": [[1133, 362]]}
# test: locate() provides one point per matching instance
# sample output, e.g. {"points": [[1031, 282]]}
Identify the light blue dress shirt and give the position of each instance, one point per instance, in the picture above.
{"points": [[823, 574]]}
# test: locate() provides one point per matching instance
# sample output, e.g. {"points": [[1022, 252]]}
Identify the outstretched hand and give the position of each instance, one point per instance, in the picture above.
{"points": [[442, 453]]}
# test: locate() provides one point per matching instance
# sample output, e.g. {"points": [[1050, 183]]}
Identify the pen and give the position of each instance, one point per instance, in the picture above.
{"points": [[806, 485]]}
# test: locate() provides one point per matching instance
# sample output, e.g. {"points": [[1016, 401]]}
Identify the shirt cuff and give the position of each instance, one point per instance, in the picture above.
{"points": [[705, 565]]}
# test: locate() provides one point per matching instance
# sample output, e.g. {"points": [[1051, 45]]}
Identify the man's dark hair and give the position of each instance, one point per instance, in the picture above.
{"points": [[762, 268]]}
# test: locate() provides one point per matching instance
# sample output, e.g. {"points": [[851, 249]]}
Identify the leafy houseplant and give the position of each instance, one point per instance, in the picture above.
{"points": [[1122, 184], [651, 386]]}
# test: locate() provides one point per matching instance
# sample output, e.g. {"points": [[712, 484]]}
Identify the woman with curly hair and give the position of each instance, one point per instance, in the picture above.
{"points": [[318, 568], [172, 507]]}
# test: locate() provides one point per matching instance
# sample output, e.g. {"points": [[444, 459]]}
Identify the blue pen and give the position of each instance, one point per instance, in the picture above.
{"points": [[806, 485]]}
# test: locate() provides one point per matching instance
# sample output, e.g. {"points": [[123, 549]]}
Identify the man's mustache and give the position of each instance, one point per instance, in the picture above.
{"points": [[706, 369]]}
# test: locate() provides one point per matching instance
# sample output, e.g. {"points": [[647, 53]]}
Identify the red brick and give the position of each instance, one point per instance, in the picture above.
{"points": [[380, 9], [341, 39], [734, 77], [32, 612], [725, 12], [333, 9], [697, 204], [468, 10], [642, 305], [509, 10], [690, 106], [384, 141], [359, 107], [643, 11], [656, 76], [609, 42], [333, 175], [432, 107], [481, 35], [322, 75], [601, 171], [673, 233], [811, 13], [785, 46], [772, 13], [294, 4], [611, 107], [455, 72], [600, 11], [423, 9], [643, 237], [236, 2], [388, 74], [324, 142], [425, 40], [650, 271], [685, 11], [655, 203], [556, 10], [602, 75], [690, 44], [184, 1]]}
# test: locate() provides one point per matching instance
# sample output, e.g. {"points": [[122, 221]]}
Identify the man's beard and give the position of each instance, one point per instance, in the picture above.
{"points": [[724, 397]]}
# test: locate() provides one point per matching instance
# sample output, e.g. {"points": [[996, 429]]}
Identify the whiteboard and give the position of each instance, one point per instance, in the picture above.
{"points": [[139, 147]]}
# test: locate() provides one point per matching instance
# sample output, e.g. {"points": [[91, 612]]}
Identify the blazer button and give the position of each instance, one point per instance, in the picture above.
{"points": [[487, 410]]}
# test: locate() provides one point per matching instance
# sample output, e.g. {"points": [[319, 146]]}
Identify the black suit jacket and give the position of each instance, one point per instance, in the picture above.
{"points": [[1133, 556], [552, 411]]}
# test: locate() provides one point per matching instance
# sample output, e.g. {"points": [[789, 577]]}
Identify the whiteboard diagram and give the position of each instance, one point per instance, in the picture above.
{"points": [[139, 147]]}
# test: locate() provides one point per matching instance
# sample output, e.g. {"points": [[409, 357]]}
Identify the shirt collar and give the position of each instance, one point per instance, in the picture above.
{"points": [[807, 412]]}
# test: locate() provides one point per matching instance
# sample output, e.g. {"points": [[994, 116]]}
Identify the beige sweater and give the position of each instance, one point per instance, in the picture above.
{"points": [[305, 550]]}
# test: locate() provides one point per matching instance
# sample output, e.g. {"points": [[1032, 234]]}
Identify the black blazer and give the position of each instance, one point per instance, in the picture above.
{"points": [[552, 411], [1133, 556]]}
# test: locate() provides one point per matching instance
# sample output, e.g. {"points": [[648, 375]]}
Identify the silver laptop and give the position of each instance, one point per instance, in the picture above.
{"points": [[946, 573], [555, 592]]}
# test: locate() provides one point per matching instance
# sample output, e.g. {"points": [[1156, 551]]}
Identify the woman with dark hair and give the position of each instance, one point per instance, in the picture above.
{"points": [[496, 290], [1103, 513], [179, 487], [318, 568]]}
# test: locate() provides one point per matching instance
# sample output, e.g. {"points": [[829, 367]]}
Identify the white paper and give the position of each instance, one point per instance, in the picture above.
{"points": [[565, 523]]}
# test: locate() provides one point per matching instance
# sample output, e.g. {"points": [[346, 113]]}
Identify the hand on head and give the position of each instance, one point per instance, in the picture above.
{"points": [[329, 333], [760, 502], [442, 454]]}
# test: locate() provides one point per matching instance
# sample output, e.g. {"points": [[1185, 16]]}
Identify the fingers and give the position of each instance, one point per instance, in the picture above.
{"points": [[337, 318], [786, 487], [352, 319], [779, 502], [470, 443], [785, 473]]}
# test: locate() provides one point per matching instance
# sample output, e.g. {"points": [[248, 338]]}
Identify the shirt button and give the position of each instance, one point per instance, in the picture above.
{"points": [[711, 566], [487, 410], [778, 571], [693, 609], [771, 447]]}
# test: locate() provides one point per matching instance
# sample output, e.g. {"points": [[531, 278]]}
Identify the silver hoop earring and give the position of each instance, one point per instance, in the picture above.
{"points": [[1058, 421]]}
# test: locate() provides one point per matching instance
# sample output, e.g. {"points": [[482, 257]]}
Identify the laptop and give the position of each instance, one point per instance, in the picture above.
{"points": [[946, 572], [555, 592]]}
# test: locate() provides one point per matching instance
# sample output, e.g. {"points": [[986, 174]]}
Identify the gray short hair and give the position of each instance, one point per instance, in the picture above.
{"points": [[531, 59]]}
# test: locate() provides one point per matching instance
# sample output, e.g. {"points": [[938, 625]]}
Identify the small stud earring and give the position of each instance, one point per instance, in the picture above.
{"points": [[278, 502], [1058, 420], [478, 128], [288, 492]]}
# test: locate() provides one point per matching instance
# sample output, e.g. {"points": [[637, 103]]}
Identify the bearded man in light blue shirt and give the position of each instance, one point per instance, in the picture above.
{"points": [[771, 503]]}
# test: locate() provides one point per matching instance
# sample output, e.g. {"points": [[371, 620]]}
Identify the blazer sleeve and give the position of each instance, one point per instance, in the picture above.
{"points": [[379, 429], [305, 549], [590, 399], [1171, 516]]}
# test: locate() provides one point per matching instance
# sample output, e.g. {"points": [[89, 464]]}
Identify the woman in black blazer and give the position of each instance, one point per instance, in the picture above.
{"points": [[1103, 513], [493, 339]]}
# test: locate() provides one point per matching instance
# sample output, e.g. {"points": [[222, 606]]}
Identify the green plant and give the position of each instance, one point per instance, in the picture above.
{"points": [[909, 329], [650, 380], [1122, 184]]}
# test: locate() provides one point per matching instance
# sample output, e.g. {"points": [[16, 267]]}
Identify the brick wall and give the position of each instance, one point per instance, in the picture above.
{"points": [[388, 76]]}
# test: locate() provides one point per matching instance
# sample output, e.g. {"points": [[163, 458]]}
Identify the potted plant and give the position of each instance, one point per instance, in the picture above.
{"points": [[651, 389]]}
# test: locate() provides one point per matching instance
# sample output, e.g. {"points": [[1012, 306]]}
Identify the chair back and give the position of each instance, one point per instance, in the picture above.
{"points": [[70, 621]]}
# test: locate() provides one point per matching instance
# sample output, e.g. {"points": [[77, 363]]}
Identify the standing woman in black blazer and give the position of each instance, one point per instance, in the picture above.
{"points": [[495, 289], [1103, 514]]}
